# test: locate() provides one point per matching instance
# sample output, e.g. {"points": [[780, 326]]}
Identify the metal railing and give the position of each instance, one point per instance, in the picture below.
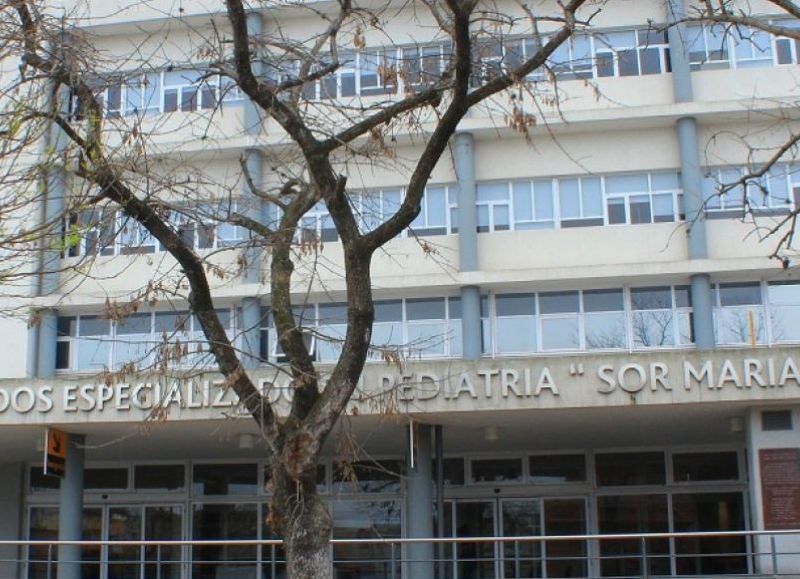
{"points": [[640, 555]]}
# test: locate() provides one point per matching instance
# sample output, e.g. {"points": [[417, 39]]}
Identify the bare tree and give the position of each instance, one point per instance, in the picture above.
{"points": [[62, 119]]}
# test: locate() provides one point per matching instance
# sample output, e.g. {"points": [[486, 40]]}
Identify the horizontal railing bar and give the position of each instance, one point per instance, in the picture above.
{"points": [[411, 540]]}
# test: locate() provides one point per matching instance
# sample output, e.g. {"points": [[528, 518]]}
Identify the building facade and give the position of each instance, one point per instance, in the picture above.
{"points": [[592, 338]]}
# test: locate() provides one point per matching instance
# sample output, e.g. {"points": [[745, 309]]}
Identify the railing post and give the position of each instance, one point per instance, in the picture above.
{"points": [[158, 561], [392, 572], [49, 560], [643, 550], [774, 554]]}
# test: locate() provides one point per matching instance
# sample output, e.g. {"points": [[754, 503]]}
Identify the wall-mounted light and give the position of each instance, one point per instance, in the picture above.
{"points": [[247, 441], [736, 424], [490, 434]]}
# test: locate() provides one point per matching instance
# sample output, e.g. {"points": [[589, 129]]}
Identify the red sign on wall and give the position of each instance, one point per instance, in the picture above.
{"points": [[780, 487]]}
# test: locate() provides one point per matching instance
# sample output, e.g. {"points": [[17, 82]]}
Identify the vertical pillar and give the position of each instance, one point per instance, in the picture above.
{"points": [[251, 332], [464, 157], [419, 503], [11, 491], [55, 201], [252, 114], [691, 177], [467, 211], [70, 509], [47, 335], [254, 210], [32, 360], [440, 522]]}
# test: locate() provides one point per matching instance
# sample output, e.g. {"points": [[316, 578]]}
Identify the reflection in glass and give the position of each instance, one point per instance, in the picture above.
{"points": [[224, 521], [365, 520]]}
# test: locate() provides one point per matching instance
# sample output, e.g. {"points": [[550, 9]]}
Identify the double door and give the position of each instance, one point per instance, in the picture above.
{"points": [[516, 517], [115, 523]]}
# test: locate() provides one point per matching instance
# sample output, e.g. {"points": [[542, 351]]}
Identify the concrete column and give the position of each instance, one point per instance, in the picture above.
{"points": [[471, 322], [255, 209], [11, 484], [253, 122], [251, 332], [691, 177], [55, 198], [463, 148], [32, 360], [703, 306], [419, 505], [46, 343], [70, 509]]}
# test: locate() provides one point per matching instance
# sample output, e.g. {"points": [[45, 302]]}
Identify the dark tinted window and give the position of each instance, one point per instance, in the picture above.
{"points": [[225, 479], [105, 478], [703, 466], [164, 477], [497, 470], [630, 468], [557, 468]]}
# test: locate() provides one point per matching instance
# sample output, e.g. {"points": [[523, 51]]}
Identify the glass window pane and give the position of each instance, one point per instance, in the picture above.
{"points": [[369, 476], [640, 209], [665, 181], [496, 470], [603, 300], [162, 477], [560, 333], [436, 202], [94, 326], [569, 198], [516, 335], [565, 517], [557, 468], [492, 191], [626, 184], [592, 196], [543, 199], [705, 466], [523, 202], [225, 522], [330, 314], [662, 208], [135, 324], [616, 210], [605, 331], [515, 304], [558, 302], [389, 311], [365, 520], [651, 298], [224, 479], [105, 478], [652, 328], [630, 468], [739, 294]]}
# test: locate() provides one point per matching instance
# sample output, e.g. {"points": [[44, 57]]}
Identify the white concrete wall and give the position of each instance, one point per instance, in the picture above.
{"points": [[758, 440]]}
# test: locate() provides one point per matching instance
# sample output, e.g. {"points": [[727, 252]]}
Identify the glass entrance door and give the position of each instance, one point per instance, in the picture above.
{"points": [[521, 517]]}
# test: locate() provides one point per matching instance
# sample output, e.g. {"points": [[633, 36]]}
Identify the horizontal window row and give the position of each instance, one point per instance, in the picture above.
{"points": [[228, 479], [639, 318], [397, 70], [565, 202], [384, 476]]}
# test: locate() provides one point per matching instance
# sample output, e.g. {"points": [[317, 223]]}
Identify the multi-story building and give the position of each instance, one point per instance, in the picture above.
{"points": [[599, 354]]}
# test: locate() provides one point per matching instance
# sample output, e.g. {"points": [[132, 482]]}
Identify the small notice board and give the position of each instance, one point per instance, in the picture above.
{"points": [[780, 487], [55, 452]]}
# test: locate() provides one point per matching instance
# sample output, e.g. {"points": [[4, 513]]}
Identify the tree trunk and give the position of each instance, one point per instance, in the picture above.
{"points": [[304, 522]]}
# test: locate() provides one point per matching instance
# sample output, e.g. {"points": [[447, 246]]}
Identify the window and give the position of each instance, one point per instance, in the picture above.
{"points": [[631, 53], [434, 212], [661, 316], [159, 477], [708, 46], [559, 320], [705, 466], [630, 468], [39, 482], [580, 201], [369, 476], [91, 343], [317, 225], [641, 198], [784, 310], [739, 313], [604, 319], [752, 48], [775, 420], [110, 478], [787, 50], [573, 58], [515, 323], [533, 204], [557, 468], [725, 196], [225, 479], [496, 470]]}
